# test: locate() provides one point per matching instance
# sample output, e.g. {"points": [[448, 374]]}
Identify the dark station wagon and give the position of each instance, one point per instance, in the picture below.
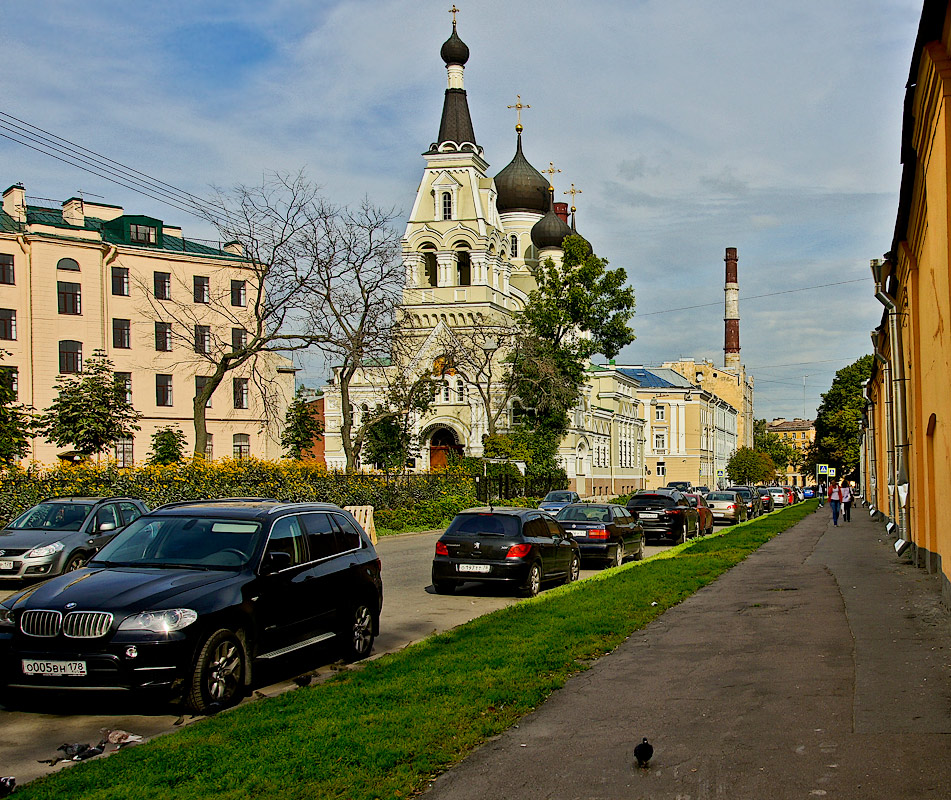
{"points": [[522, 547]]}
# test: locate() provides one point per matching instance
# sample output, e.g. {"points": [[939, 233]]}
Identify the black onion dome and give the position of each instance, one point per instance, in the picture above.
{"points": [[520, 186], [454, 50], [550, 230]]}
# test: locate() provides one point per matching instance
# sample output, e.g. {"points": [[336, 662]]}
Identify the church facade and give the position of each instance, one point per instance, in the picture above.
{"points": [[471, 244]]}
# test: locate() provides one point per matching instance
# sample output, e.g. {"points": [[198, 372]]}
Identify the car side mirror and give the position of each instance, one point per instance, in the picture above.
{"points": [[107, 526], [276, 561]]}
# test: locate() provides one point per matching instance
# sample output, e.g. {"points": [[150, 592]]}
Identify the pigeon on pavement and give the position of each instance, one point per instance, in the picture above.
{"points": [[119, 737], [643, 753], [7, 785], [72, 750]]}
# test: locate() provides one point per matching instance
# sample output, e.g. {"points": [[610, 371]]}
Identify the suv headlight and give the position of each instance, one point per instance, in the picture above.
{"points": [[45, 550], [7, 618], [171, 619]]}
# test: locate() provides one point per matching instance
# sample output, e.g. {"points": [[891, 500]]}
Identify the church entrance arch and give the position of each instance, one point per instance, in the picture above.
{"points": [[443, 441]]}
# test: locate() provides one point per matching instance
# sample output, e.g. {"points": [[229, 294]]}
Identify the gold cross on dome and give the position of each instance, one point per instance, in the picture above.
{"points": [[454, 11], [551, 171], [518, 106], [572, 191]]}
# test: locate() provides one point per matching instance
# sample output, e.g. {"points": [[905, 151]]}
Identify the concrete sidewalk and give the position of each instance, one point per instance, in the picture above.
{"points": [[818, 667]]}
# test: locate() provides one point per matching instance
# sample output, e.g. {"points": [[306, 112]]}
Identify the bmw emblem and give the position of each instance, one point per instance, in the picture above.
{"points": [[69, 606]]}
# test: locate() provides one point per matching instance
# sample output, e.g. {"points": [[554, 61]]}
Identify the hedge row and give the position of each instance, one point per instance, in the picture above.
{"points": [[409, 500]]}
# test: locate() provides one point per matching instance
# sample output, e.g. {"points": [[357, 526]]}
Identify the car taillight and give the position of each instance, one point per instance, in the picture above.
{"points": [[598, 533], [672, 511], [518, 551], [441, 549]]}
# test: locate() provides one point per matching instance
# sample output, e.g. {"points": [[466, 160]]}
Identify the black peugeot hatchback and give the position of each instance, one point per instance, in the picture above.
{"points": [[518, 546], [189, 597]]}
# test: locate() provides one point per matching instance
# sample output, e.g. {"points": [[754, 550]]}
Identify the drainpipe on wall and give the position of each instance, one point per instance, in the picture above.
{"points": [[889, 427]]}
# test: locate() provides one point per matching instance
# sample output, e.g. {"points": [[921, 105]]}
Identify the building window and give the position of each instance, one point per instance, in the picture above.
{"points": [[202, 291], [660, 442], [70, 356], [514, 244], [239, 338], [10, 378], [8, 323], [463, 268], [163, 336], [239, 294], [122, 334], [201, 381], [124, 379], [69, 296], [202, 338], [68, 263], [432, 268], [143, 234], [123, 453], [660, 413], [242, 445], [6, 268], [460, 390], [163, 390], [240, 387], [120, 281], [446, 205], [661, 470], [209, 446], [162, 283]]}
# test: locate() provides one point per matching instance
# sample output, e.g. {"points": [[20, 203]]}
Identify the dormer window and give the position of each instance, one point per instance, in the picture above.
{"points": [[143, 234], [446, 205]]}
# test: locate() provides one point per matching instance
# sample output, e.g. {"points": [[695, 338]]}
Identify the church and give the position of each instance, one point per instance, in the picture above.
{"points": [[471, 244]]}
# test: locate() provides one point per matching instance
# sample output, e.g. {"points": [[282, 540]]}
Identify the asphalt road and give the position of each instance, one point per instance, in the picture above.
{"points": [[411, 611]]}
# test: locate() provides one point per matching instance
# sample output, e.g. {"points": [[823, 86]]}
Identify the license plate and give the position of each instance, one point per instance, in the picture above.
{"points": [[480, 568], [648, 515], [73, 669], [7, 564]]}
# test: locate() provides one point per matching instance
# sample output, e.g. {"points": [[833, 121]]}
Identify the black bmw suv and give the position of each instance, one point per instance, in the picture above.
{"points": [[189, 597]]}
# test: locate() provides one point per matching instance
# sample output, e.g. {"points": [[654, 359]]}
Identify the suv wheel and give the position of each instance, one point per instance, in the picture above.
{"points": [[219, 672], [357, 637]]}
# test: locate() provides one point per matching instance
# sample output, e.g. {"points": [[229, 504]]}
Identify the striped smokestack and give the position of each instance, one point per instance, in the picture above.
{"points": [[731, 313]]}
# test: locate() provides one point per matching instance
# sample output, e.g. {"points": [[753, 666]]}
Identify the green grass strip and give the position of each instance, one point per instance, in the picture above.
{"points": [[386, 729]]}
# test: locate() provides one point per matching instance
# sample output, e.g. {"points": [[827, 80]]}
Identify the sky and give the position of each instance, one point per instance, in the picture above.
{"points": [[689, 127]]}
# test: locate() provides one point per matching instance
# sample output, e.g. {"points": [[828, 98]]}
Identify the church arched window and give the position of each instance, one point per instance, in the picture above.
{"points": [[460, 390], [514, 243], [446, 205], [446, 396], [430, 269], [463, 268]]}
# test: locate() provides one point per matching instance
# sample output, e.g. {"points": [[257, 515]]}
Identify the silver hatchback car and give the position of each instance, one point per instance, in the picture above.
{"points": [[61, 534]]}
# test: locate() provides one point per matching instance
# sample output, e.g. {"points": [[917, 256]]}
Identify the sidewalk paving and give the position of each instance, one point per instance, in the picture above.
{"points": [[818, 667]]}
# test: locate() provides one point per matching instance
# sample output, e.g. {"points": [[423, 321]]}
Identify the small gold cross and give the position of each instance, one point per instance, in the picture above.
{"points": [[572, 191], [551, 171], [519, 105], [454, 11]]}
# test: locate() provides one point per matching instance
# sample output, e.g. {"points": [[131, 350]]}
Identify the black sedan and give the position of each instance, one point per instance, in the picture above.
{"points": [[603, 531], [522, 547], [665, 513], [189, 596]]}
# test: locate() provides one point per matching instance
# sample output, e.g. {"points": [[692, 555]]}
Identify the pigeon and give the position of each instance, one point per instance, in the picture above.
{"points": [[91, 752], [7, 785], [643, 753], [304, 680], [120, 738], [73, 750]]}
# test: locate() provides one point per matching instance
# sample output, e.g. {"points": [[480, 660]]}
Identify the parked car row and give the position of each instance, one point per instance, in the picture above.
{"points": [[183, 599]]}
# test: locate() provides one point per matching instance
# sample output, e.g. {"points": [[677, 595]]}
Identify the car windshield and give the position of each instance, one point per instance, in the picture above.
{"points": [[558, 497], [650, 500], [183, 542], [483, 524], [583, 514], [720, 496], [53, 517]]}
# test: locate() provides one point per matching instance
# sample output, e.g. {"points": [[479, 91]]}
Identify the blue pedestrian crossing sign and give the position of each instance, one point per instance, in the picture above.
{"points": [[823, 469], [831, 472]]}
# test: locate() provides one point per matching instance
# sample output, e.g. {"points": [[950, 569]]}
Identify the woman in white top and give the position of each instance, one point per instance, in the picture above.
{"points": [[846, 492], [835, 501]]}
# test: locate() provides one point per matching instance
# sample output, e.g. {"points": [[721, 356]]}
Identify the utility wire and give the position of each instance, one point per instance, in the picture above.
{"points": [[753, 297]]}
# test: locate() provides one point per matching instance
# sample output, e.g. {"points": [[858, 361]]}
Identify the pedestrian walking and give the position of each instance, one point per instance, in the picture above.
{"points": [[846, 492], [835, 501]]}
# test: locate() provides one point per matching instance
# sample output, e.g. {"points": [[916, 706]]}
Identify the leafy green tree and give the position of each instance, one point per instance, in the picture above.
{"points": [[839, 419], [579, 308], [301, 425], [168, 445], [388, 444], [90, 411], [16, 421], [747, 466], [772, 444]]}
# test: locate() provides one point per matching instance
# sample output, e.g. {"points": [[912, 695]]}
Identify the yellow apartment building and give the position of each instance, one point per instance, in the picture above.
{"points": [[83, 276], [798, 433]]}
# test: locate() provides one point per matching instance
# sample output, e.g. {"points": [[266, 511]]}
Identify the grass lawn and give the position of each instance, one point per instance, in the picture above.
{"points": [[382, 731]]}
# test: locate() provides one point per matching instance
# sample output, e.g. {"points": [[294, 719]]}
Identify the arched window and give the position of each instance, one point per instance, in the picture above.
{"points": [[430, 267], [445, 391], [446, 205], [460, 390], [463, 268], [68, 263], [514, 243], [241, 444]]}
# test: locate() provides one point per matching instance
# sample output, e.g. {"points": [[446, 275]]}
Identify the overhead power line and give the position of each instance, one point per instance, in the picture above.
{"points": [[754, 297]]}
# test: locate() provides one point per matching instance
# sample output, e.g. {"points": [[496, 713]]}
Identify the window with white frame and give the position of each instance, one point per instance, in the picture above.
{"points": [[661, 470], [660, 441], [447, 205], [123, 453], [660, 413]]}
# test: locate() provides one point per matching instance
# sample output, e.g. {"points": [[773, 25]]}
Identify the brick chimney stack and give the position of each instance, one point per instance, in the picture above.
{"points": [[731, 313]]}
